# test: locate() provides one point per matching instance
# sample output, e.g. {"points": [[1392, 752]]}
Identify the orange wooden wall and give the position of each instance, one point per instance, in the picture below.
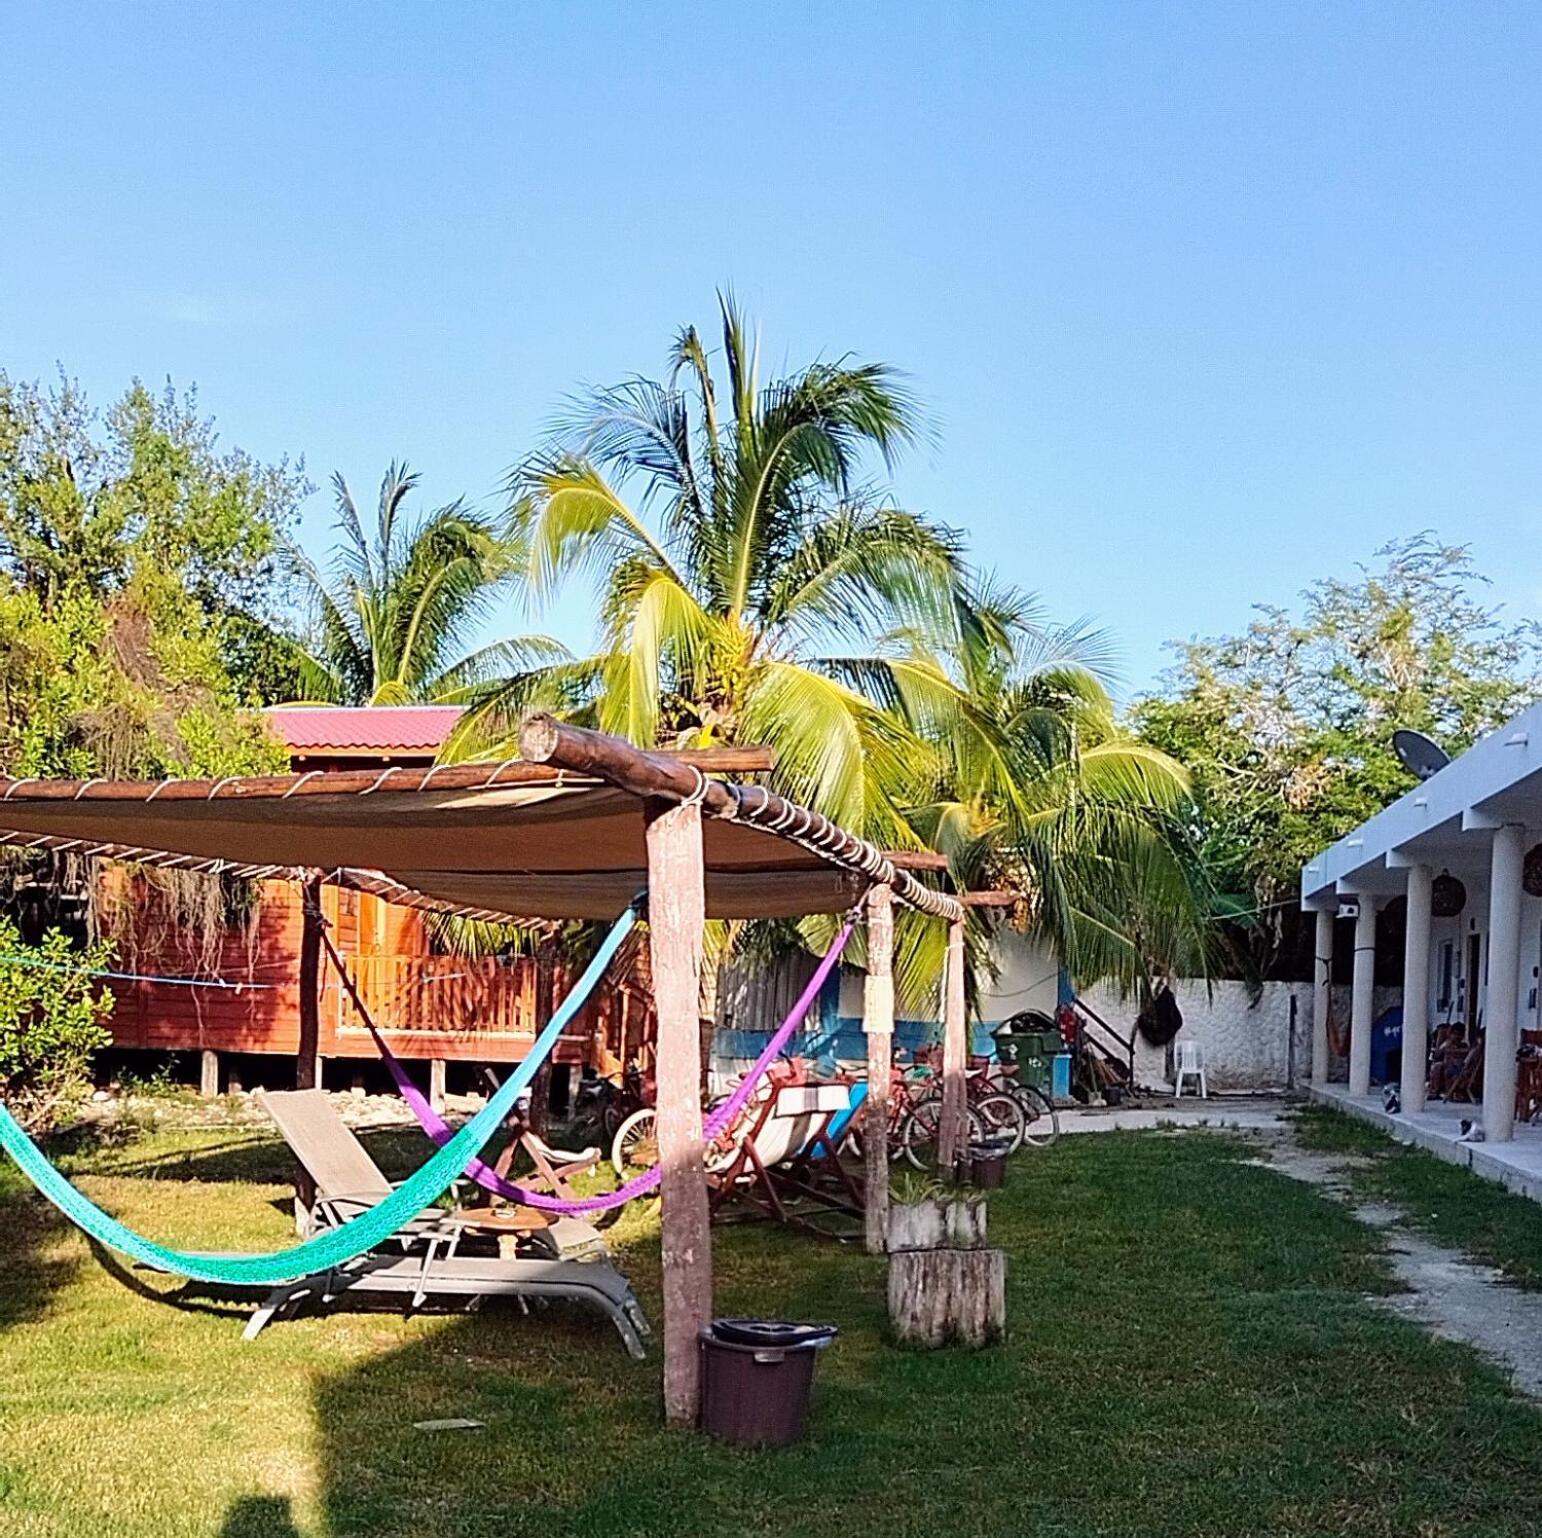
{"points": [[427, 1005]]}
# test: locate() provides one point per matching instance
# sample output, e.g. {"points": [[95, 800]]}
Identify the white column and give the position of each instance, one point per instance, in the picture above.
{"points": [[1362, 999], [1502, 1010], [1416, 989], [1322, 995]]}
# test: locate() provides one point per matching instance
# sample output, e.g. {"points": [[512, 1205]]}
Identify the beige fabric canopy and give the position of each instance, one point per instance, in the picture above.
{"points": [[520, 839]]}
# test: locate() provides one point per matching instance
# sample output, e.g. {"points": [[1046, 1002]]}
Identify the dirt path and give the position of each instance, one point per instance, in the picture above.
{"points": [[1446, 1292]]}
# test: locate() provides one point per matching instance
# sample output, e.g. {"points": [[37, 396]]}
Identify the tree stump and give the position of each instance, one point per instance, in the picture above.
{"points": [[948, 1297]]}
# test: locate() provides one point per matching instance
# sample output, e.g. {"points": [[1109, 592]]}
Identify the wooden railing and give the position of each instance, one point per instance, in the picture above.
{"points": [[1115, 1048], [441, 995]]}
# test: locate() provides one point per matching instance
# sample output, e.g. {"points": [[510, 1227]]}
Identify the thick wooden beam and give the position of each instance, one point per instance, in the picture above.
{"points": [[546, 961], [955, 1052], [311, 921], [990, 899], [677, 906], [545, 740], [878, 1023], [916, 859]]}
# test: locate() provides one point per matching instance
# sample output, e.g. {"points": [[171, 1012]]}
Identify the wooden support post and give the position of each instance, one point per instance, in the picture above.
{"points": [[209, 1074], [676, 914], [546, 962], [436, 1068], [955, 1052], [307, 1068], [878, 1023]]}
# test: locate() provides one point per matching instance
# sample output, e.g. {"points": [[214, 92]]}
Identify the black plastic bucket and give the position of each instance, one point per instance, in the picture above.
{"points": [[988, 1165], [758, 1379]]}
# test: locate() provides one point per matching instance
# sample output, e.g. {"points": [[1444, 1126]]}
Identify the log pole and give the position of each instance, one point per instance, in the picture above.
{"points": [[878, 1024], [676, 914], [546, 961], [955, 1052], [545, 740]]}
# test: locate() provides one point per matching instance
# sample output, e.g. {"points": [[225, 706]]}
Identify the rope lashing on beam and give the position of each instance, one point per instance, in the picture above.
{"points": [[716, 1124], [349, 1240]]}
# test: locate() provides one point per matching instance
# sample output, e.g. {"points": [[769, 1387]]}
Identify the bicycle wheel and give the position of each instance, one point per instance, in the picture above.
{"points": [[1041, 1118], [918, 1132], [1004, 1117], [636, 1144]]}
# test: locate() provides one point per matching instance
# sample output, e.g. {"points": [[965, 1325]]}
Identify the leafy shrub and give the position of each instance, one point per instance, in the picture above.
{"points": [[52, 1018]]}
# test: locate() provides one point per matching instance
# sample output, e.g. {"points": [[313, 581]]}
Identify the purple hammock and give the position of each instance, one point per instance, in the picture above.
{"points": [[715, 1125]]}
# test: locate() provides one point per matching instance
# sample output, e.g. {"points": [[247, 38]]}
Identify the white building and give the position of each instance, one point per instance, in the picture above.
{"points": [[1478, 820]]}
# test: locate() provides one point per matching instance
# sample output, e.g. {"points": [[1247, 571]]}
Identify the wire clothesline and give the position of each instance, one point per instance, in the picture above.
{"points": [[114, 975]]}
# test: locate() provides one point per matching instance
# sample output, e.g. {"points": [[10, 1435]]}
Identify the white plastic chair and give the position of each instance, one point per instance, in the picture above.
{"points": [[1191, 1065]]}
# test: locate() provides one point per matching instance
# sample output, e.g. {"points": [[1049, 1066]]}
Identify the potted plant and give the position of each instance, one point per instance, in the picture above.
{"points": [[927, 1213]]}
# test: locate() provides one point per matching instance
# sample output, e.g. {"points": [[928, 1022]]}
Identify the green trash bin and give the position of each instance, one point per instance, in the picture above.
{"points": [[1033, 1051]]}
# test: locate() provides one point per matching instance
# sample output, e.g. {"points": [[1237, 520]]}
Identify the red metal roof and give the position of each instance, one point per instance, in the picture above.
{"points": [[364, 728]]}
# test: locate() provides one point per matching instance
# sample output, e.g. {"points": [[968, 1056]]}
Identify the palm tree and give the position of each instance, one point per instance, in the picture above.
{"points": [[740, 556], [1031, 785], [754, 587], [393, 618]]}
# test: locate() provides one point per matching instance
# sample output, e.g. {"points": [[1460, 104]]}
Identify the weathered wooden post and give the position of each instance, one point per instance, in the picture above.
{"points": [[546, 959], [676, 914], [209, 1074], [955, 1052], [878, 1023]]}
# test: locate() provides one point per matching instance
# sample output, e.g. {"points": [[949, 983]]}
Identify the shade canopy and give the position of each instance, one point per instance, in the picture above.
{"points": [[520, 839]]}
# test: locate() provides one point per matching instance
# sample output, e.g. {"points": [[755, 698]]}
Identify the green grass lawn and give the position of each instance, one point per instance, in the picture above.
{"points": [[1192, 1352], [1445, 1201]]}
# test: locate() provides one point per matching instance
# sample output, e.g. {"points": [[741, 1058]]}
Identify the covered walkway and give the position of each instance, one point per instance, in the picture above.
{"points": [[1516, 1164]]}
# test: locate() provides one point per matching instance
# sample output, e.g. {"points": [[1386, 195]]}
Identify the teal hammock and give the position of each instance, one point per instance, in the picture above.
{"points": [[348, 1240]]}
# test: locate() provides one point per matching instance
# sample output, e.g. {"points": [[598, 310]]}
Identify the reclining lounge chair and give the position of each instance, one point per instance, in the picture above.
{"points": [[422, 1262]]}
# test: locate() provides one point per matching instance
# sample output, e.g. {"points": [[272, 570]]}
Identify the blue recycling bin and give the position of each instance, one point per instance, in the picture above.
{"points": [[1387, 1046], [1060, 1076]]}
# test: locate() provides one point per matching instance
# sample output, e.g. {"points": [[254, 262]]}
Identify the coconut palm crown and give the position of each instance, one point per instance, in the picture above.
{"points": [[742, 559], [392, 620]]}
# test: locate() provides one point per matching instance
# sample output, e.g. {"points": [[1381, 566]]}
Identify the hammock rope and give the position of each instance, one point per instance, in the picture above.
{"points": [[349, 1240], [717, 1122]]}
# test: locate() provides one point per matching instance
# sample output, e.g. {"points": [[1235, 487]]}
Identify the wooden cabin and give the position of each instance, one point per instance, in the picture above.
{"points": [[238, 992]]}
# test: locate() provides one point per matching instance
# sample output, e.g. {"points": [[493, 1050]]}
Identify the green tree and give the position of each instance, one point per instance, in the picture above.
{"points": [[392, 621], [52, 1014], [1287, 728], [133, 551]]}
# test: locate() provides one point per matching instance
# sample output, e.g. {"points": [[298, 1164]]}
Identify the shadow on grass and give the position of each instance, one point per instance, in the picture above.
{"points": [[258, 1156], [260, 1516]]}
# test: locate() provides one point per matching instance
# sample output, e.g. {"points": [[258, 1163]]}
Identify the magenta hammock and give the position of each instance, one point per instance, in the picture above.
{"points": [[715, 1125]]}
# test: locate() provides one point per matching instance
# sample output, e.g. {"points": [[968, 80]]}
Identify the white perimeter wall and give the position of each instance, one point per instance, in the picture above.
{"points": [[1245, 1046]]}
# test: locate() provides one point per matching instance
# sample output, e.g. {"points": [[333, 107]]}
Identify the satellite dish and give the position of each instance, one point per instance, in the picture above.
{"points": [[1418, 754]]}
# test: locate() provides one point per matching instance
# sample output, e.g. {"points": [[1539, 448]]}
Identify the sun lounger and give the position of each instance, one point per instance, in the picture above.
{"points": [[427, 1249], [571, 1237], [787, 1165], [469, 1279]]}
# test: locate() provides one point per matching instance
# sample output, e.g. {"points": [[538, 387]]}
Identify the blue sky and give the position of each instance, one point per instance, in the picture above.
{"points": [[1206, 300]]}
